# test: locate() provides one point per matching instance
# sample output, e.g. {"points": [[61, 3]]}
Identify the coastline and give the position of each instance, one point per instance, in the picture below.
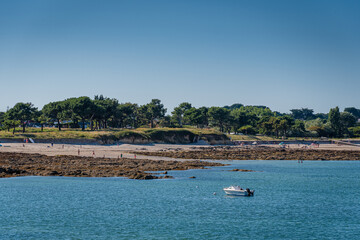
{"points": [[138, 161], [260, 153], [25, 164], [182, 152]]}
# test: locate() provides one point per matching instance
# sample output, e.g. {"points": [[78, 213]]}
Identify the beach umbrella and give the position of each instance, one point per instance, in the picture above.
{"points": [[281, 143]]}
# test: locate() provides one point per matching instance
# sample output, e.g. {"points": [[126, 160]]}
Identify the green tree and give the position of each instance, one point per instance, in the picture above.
{"points": [[302, 114], [319, 126], [165, 121], [2, 118], [81, 107], [298, 129], [276, 125], [286, 122], [234, 106], [22, 112], [218, 117], [355, 131], [271, 125], [353, 111], [154, 110], [178, 113], [126, 114], [347, 120], [323, 116], [247, 129], [104, 109], [242, 117], [40, 118], [335, 122], [10, 121], [55, 111], [265, 126], [197, 116]]}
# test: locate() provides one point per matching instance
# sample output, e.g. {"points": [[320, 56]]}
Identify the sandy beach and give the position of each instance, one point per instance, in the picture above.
{"points": [[112, 151], [128, 150], [185, 152]]}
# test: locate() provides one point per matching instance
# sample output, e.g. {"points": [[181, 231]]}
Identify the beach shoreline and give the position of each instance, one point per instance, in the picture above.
{"points": [[137, 161], [25, 164], [130, 150]]}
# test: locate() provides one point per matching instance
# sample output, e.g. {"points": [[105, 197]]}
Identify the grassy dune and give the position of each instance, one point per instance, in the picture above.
{"points": [[146, 133], [53, 133]]}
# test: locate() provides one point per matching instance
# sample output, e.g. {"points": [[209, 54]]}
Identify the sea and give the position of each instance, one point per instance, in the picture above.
{"points": [[309, 200]]}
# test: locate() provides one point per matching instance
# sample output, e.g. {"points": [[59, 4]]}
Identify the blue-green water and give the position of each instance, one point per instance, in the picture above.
{"points": [[313, 200]]}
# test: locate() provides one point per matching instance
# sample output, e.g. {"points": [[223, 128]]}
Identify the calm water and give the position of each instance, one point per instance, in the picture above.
{"points": [[313, 200]]}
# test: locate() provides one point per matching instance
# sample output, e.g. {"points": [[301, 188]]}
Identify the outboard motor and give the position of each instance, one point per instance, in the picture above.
{"points": [[249, 192]]}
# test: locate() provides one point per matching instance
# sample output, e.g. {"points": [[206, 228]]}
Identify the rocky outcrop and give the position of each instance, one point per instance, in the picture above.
{"points": [[22, 164], [241, 170], [176, 136], [10, 171], [216, 139], [258, 153]]}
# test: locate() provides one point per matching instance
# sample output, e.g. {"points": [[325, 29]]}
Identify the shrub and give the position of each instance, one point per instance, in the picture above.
{"points": [[248, 129]]}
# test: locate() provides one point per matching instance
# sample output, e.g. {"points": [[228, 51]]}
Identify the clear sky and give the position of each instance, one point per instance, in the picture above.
{"points": [[282, 54]]}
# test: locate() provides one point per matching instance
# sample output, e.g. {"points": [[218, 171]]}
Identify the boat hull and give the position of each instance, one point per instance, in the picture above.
{"points": [[236, 193]]}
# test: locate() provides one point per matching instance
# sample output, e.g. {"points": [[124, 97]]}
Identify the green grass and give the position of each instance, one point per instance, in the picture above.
{"points": [[65, 133], [146, 133], [51, 133], [250, 138], [269, 138]]}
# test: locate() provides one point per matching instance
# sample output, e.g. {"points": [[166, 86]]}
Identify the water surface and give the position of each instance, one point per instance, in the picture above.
{"points": [[313, 200]]}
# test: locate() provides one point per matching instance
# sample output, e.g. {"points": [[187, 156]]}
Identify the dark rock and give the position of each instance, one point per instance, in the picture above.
{"points": [[167, 176], [53, 173], [241, 170]]}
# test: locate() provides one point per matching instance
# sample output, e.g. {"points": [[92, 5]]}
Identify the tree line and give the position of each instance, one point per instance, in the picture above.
{"points": [[104, 113]]}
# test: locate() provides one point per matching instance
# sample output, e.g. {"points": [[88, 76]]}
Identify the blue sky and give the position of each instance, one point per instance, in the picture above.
{"points": [[282, 54]]}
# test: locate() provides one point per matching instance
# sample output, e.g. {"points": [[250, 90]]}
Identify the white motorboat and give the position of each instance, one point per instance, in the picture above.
{"points": [[238, 191]]}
